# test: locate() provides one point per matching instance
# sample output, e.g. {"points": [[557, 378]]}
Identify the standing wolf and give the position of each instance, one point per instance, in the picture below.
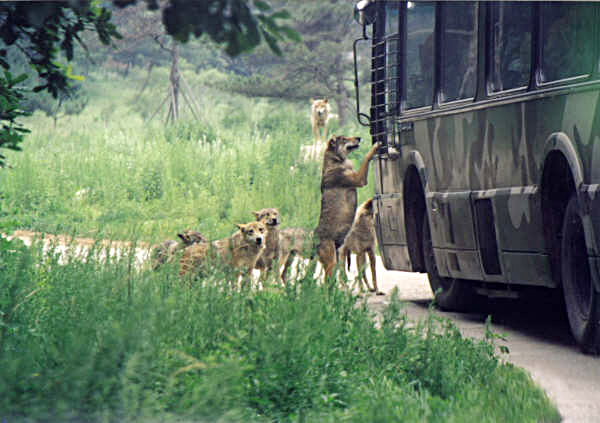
{"points": [[362, 241], [319, 115], [338, 196]]}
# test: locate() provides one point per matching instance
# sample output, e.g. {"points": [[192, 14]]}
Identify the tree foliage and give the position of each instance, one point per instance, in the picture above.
{"points": [[320, 65], [240, 25], [12, 132], [44, 32], [48, 31]]}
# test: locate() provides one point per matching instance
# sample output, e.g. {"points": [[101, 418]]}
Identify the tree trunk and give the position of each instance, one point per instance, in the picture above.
{"points": [[174, 80]]}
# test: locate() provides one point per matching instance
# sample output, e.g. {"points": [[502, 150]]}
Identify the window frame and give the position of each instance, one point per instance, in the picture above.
{"points": [[483, 91], [592, 74], [404, 110], [438, 87], [533, 51]]}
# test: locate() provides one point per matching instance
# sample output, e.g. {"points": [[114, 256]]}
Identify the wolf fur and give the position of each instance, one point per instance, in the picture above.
{"points": [[239, 251], [270, 255], [338, 196], [166, 250], [189, 237], [292, 242], [319, 114], [362, 241], [320, 111]]}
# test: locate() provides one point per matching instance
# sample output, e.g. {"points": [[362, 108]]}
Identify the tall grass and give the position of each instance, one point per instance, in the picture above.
{"points": [[99, 340], [96, 341], [109, 171]]}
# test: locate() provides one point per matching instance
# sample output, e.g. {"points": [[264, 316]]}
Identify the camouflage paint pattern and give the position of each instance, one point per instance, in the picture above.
{"points": [[495, 151]]}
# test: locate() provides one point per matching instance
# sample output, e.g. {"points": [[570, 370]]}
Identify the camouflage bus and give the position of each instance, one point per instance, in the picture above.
{"points": [[488, 177]]}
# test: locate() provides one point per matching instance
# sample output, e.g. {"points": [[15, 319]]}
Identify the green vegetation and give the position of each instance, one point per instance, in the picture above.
{"points": [[99, 341], [108, 171], [103, 341]]}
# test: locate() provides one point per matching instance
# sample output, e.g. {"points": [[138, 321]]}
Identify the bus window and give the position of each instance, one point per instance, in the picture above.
{"points": [[459, 50], [567, 40], [392, 25], [419, 54], [392, 28], [510, 45]]}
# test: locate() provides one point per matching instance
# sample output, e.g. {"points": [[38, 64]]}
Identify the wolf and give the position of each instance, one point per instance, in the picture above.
{"points": [[166, 250], [362, 241], [270, 255], [239, 251], [292, 242], [189, 237], [339, 182], [319, 115]]}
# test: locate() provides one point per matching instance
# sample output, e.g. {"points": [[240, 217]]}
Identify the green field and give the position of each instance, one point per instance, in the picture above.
{"points": [[110, 172], [102, 341]]}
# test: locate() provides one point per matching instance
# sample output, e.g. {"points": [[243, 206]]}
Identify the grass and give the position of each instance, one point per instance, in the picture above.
{"points": [[108, 172], [95, 341]]}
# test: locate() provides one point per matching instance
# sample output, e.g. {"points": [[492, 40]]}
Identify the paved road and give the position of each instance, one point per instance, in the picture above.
{"points": [[538, 338]]}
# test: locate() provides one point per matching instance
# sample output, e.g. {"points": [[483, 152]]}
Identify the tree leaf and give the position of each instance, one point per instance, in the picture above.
{"points": [[262, 5]]}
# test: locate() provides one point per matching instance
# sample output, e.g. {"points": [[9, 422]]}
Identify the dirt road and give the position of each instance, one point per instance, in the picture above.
{"points": [[538, 338]]}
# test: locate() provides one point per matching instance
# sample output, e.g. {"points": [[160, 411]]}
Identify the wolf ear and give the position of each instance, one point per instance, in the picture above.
{"points": [[256, 214], [326, 99], [369, 204], [240, 226]]}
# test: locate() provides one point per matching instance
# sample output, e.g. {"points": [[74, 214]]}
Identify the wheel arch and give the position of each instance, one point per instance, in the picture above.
{"points": [[562, 174], [415, 209]]}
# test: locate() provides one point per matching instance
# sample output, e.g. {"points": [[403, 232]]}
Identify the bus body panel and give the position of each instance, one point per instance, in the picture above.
{"points": [[489, 118], [495, 154]]}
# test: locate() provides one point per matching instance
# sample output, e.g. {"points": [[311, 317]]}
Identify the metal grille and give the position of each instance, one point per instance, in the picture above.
{"points": [[385, 88]]}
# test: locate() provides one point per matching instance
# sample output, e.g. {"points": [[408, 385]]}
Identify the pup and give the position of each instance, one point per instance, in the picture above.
{"points": [[165, 251], [191, 237], [319, 116], [240, 251], [361, 240], [270, 217], [293, 241], [338, 196]]}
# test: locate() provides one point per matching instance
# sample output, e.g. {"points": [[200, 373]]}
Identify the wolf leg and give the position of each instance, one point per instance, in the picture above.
{"points": [[373, 264], [327, 253], [361, 262]]}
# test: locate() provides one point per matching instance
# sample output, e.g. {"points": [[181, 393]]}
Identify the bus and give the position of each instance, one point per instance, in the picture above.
{"points": [[488, 178]]}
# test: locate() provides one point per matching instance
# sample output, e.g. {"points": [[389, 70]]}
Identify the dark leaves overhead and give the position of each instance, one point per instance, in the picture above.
{"points": [[46, 30], [43, 29], [238, 24]]}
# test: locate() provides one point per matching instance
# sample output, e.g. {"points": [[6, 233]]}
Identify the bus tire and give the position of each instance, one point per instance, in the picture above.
{"points": [[450, 294], [581, 299]]}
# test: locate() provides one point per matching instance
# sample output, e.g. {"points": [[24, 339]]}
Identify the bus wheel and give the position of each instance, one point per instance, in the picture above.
{"points": [[450, 294], [582, 300]]}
